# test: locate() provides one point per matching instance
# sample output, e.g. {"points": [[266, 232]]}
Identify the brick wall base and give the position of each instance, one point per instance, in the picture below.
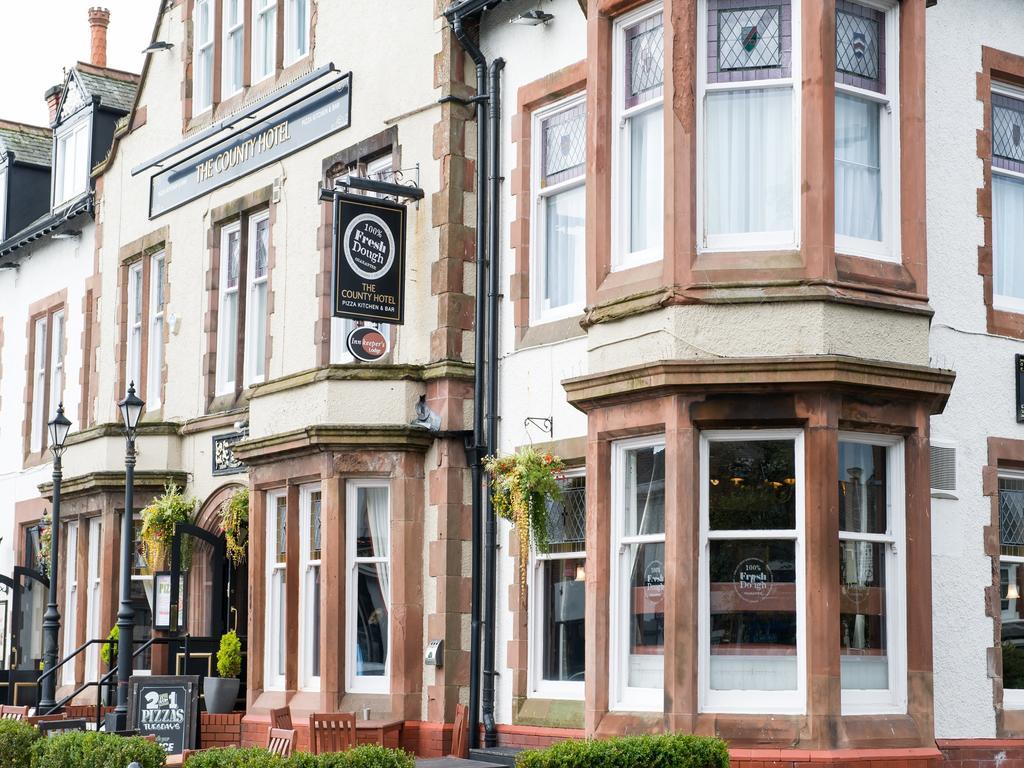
{"points": [[220, 730], [981, 753]]}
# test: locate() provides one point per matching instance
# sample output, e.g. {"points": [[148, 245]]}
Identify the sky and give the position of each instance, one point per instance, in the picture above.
{"points": [[40, 38]]}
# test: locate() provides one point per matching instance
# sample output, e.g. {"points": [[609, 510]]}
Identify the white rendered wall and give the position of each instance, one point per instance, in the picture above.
{"points": [[982, 402]]}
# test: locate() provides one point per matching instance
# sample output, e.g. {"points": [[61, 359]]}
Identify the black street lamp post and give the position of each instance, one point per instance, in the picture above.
{"points": [[59, 428], [131, 411]]}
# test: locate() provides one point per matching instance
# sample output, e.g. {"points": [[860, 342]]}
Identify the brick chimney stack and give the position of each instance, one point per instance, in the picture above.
{"points": [[99, 20], [52, 97]]}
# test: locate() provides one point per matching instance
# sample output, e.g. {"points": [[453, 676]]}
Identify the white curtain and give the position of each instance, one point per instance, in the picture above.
{"points": [[749, 175], [1008, 235], [647, 180], [565, 217], [858, 168], [377, 516]]}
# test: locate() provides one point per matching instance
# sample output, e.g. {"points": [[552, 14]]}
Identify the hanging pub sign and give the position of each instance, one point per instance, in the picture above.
{"points": [[368, 344], [167, 708], [269, 140], [369, 259]]}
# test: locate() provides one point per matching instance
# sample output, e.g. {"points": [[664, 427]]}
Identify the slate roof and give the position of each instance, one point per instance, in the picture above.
{"points": [[29, 143], [116, 90]]}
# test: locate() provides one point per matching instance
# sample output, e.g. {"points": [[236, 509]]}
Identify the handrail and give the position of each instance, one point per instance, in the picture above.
{"points": [[70, 656]]}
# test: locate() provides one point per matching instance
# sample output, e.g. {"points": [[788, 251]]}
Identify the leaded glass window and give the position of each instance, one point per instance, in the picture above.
{"points": [[1007, 122], [645, 56], [748, 40], [860, 46], [1011, 583], [565, 144], [1008, 132]]}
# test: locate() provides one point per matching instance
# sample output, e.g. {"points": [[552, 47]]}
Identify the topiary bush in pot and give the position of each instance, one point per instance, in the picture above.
{"points": [[665, 751], [16, 740], [220, 692]]}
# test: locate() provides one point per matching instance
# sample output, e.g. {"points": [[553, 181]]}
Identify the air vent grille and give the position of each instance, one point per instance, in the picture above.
{"points": [[943, 468]]}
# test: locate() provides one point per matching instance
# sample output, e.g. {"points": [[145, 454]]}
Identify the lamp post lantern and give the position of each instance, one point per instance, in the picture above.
{"points": [[131, 411], [59, 428]]}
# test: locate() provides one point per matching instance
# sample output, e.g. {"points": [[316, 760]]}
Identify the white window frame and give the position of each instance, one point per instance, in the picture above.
{"points": [[155, 347], [74, 137], [1000, 302], [57, 341], [888, 249], [539, 687], [1013, 698], [70, 617], [94, 586], [259, 44], [364, 683], [255, 327], [292, 51], [748, 241], [40, 331], [307, 680], [229, 88], [136, 329], [227, 346], [538, 229], [894, 699], [752, 702], [622, 258], [276, 615], [202, 59], [622, 696]]}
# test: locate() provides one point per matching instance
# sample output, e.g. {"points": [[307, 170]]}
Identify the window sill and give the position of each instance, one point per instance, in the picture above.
{"points": [[548, 713], [249, 94], [551, 332]]}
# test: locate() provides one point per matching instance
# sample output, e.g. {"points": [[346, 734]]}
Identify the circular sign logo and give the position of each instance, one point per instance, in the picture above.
{"points": [[654, 580], [753, 580], [369, 246], [367, 344]]}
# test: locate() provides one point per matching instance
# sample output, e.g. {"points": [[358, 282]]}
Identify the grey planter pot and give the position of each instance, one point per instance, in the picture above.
{"points": [[220, 693]]}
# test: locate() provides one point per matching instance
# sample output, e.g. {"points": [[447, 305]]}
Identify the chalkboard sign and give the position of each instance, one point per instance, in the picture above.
{"points": [[166, 707]]}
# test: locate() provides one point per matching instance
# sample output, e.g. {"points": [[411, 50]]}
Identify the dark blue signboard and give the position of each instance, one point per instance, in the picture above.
{"points": [[273, 138]]}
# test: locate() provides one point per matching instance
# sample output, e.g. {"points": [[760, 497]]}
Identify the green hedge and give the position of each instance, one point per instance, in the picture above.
{"points": [[91, 749], [366, 756], [16, 740], [669, 751]]}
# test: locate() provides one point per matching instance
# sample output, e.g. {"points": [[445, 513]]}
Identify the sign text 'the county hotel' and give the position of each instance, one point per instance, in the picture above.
{"points": [[294, 128]]}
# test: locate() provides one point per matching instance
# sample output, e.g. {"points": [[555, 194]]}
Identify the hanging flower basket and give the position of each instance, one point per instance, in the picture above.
{"points": [[522, 486], [159, 521], [234, 519], [45, 541]]}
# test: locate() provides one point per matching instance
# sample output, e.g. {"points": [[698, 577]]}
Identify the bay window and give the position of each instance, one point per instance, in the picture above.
{"points": [[369, 593], [155, 345], [276, 599], [70, 617], [227, 312], [638, 143], [202, 67], [752, 655], [748, 118], [256, 301], [871, 635], [264, 39], [135, 283], [867, 129], [309, 597], [71, 171], [638, 575], [233, 65], [1007, 198], [558, 591], [296, 30], [559, 231]]}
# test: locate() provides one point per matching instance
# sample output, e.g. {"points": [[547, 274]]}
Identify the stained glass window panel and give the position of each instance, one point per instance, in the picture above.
{"points": [[857, 45], [749, 38], [645, 60], [1008, 132], [565, 145]]}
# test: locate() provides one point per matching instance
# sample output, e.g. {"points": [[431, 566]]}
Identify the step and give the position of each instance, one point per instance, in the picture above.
{"points": [[499, 755]]}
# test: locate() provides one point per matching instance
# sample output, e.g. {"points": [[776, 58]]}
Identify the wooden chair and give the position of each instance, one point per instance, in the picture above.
{"points": [[37, 719], [281, 718], [460, 732], [50, 728], [332, 732], [8, 712], [280, 741]]}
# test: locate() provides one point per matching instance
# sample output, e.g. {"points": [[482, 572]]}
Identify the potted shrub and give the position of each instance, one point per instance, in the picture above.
{"points": [[222, 691], [108, 655]]}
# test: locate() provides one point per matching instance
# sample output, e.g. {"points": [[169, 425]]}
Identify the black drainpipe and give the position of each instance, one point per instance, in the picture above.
{"points": [[479, 447], [493, 294]]}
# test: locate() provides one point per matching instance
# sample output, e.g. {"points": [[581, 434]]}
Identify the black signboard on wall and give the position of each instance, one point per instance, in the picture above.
{"points": [[369, 258], [1019, 367], [166, 707]]}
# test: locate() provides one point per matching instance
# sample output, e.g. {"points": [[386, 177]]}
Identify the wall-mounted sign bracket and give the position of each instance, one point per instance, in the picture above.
{"points": [[349, 183]]}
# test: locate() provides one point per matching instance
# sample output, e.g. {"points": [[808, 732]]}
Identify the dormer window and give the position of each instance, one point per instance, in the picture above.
{"points": [[71, 169]]}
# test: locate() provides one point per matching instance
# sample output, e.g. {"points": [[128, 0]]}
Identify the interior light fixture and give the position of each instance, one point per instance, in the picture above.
{"points": [[533, 18], [1012, 593]]}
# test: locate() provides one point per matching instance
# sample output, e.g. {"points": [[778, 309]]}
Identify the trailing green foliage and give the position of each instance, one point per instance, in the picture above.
{"points": [[159, 520], [45, 542], [93, 749], [668, 751], [108, 651], [16, 740], [234, 519], [365, 756], [229, 656]]}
